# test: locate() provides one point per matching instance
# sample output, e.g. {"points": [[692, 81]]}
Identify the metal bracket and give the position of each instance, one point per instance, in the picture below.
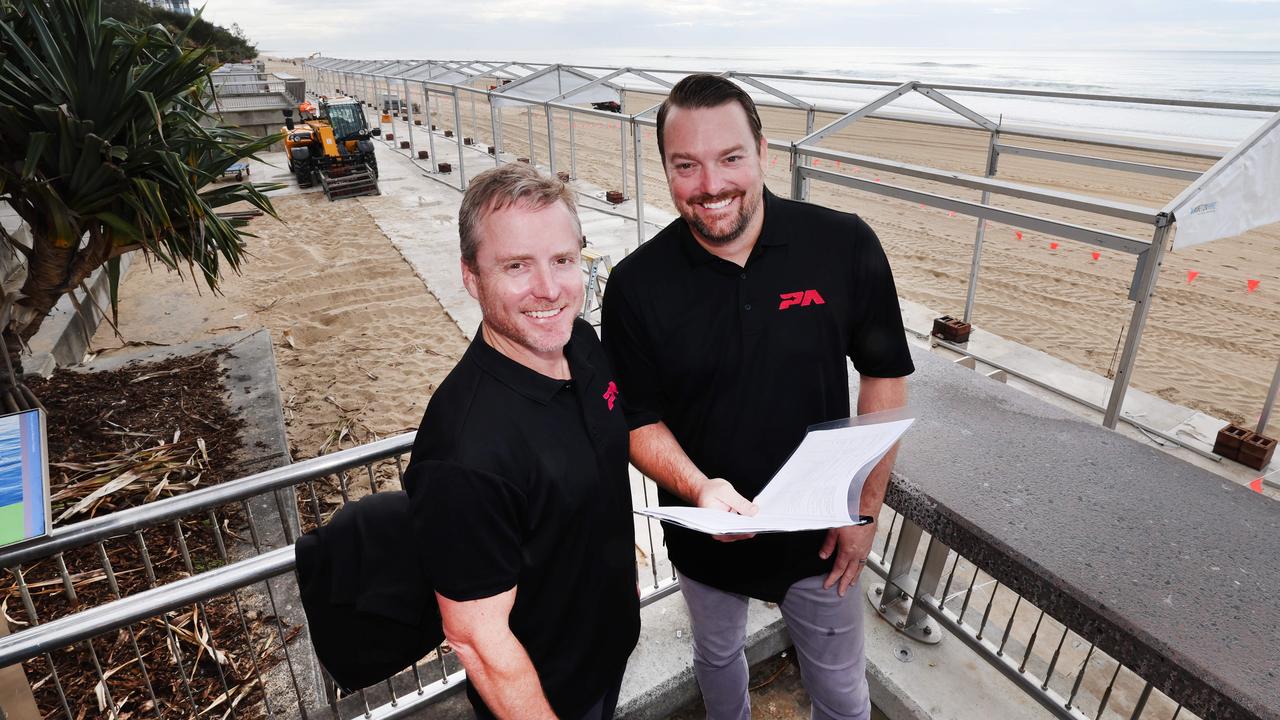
{"points": [[896, 611]]}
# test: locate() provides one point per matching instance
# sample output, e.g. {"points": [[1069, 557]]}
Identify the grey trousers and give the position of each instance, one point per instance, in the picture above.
{"points": [[825, 628]]}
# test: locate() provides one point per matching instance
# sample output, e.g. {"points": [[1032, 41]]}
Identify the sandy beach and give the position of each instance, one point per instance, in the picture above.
{"points": [[1209, 343]]}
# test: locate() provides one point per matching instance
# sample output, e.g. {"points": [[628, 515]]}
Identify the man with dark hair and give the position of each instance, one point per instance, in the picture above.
{"points": [[730, 331], [520, 466]]}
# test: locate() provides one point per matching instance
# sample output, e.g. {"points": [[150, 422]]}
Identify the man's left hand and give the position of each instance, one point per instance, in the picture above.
{"points": [[851, 545]]}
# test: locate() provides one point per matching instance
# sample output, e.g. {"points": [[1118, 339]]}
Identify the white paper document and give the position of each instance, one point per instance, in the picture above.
{"points": [[819, 487]]}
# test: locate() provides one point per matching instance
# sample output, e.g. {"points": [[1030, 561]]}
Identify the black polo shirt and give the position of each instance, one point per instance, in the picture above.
{"points": [[524, 483], [739, 361]]}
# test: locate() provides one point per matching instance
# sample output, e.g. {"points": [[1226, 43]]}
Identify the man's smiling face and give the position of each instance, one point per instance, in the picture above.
{"points": [[528, 281], [715, 170]]}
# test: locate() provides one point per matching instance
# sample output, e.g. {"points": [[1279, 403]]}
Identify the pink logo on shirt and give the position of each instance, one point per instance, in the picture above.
{"points": [[611, 394]]}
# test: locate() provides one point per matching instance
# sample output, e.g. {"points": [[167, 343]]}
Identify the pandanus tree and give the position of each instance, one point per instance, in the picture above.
{"points": [[106, 148]]}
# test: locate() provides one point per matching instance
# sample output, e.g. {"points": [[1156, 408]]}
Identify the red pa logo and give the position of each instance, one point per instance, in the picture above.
{"points": [[803, 298], [611, 394]]}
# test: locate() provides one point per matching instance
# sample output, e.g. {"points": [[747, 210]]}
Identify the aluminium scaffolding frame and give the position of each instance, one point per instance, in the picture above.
{"points": [[359, 77]]}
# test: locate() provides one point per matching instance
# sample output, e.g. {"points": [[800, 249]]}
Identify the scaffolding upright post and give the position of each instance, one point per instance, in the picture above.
{"points": [[1149, 262], [493, 122], [457, 135], [475, 127], [528, 116], [622, 154], [573, 148], [993, 157], [431, 137], [1269, 403], [408, 106], [638, 138], [551, 137], [393, 114]]}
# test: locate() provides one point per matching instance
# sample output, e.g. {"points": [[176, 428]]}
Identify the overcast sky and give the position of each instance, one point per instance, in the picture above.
{"points": [[551, 29]]}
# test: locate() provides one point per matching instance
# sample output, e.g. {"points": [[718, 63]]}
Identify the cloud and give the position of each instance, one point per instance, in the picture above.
{"points": [[555, 29]]}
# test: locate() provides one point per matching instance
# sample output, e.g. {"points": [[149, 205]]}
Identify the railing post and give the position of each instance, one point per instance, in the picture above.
{"points": [[892, 601]]}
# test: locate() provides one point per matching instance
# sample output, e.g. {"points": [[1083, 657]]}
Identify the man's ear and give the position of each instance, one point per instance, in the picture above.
{"points": [[469, 280], [763, 152]]}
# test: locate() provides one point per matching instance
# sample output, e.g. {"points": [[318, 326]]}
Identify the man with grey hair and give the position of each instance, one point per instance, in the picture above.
{"points": [[520, 468]]}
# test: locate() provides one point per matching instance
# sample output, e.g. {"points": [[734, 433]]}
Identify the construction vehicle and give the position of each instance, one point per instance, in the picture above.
{"points": [[330, 144]]}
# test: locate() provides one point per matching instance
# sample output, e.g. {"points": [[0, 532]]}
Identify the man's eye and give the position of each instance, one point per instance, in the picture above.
{"points": [[684, 166], [514, 266], [733, 159]]}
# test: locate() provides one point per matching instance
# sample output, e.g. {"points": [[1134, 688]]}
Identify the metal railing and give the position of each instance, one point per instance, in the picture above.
{"points": [[222, 633], [205, 615], [931, 591]]}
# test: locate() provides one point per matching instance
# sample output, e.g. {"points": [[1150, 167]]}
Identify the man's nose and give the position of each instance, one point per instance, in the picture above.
{"points": [[710, 181], [543, 284]]}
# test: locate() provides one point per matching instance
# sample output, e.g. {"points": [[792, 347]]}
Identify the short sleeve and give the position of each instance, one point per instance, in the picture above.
{"points": [[877, 342], [470, 526], [623, 336]]}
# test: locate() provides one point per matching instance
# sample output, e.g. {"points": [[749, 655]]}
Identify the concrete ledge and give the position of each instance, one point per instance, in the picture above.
{"points": [[1166, 566]]}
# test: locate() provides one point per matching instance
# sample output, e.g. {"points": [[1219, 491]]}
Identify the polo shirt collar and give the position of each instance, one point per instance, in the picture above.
{"points": [[524, 380], [770, 233]]}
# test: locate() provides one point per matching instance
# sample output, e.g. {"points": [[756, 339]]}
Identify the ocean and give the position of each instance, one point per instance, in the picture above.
{"points": [[1210, 76]]}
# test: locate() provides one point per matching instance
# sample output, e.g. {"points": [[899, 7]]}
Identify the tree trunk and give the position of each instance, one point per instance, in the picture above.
{"points": [[57, 266], [14, 395]]}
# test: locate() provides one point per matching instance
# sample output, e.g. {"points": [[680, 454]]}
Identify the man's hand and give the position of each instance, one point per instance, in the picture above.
{"points": [[851, 545], [718, 494]]}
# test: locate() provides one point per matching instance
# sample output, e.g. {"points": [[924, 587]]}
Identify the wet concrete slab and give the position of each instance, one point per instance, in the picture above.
{"points": [[1169, 567]]}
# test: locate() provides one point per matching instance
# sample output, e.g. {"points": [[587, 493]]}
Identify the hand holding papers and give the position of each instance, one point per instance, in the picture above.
{"points": [[817, 488]]}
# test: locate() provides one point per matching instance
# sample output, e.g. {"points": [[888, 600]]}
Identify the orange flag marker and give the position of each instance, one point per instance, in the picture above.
{"points": [[1017, 234], [1096, 254], [1191, 275], [1053, 246], [1253, 285], [1256, 485]]}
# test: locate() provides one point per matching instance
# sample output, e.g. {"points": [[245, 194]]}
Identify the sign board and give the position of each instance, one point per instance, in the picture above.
{"points": [[24, 477]]}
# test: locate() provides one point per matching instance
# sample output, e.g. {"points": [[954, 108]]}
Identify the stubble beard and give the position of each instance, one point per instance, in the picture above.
{"points": [[745, 213], [508, 328]]}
